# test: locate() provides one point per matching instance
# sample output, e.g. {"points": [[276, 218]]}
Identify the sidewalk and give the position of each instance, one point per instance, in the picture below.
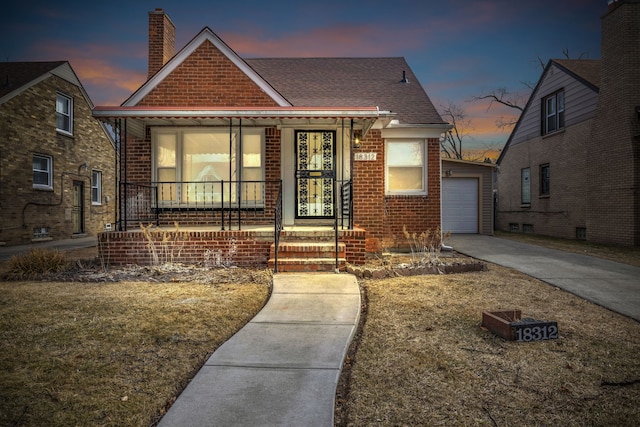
{"points": [[283, 367], [6, 252], [610, 284]]}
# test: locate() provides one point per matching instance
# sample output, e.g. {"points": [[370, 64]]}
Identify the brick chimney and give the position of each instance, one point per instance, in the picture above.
{"points": [[162, 40], [613, 212]]}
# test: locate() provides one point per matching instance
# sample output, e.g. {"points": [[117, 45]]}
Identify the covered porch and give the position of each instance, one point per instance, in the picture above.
{"points": [[236, 186]]}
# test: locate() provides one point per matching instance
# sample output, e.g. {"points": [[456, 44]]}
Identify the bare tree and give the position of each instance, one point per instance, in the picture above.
{"points": [[451, 145], [514, 100], [504, 97]]}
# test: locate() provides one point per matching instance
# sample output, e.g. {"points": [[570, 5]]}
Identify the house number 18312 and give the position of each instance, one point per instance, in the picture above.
{"points": [[536, 332]]}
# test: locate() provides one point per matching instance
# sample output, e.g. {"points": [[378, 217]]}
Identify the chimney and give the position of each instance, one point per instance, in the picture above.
{"points": [[162, 40]]}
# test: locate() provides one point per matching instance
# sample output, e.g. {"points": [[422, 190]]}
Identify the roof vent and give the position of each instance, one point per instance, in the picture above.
{"points": [[404, 77]]}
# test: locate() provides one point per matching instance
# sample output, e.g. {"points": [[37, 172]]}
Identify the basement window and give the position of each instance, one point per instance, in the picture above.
{"points": [[40, 233], [581, 233]]}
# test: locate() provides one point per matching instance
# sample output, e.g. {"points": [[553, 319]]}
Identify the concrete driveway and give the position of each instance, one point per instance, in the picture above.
{"points": [[610, 284]]}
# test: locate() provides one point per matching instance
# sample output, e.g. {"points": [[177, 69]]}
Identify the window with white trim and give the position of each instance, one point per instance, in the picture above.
{"points": [[406, 167], [64, 113], [42, 172], [553, 112], [96, 187], [191, 165]]}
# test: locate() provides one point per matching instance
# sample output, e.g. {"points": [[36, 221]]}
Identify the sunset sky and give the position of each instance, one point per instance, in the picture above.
{"points": [[458, 49]]}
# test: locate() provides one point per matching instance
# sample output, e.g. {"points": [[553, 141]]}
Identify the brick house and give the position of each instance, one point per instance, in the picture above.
{"points": [[571, 167], [57, 162], [226, 146]]}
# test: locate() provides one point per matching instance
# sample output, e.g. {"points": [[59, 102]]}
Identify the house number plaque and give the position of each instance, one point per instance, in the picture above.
{"points": [[532, 330], [365, 156]]}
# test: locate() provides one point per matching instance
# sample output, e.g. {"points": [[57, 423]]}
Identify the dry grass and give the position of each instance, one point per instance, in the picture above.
{"points": [[423, 359], [109, 354], [116, 354]]}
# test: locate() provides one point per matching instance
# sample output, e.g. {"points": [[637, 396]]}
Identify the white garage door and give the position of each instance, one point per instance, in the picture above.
{"points": [[460, 205]]}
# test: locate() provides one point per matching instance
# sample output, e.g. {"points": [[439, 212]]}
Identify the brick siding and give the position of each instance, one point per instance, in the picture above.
{"points": [[207, 78], [28, 127], [384, 216]]}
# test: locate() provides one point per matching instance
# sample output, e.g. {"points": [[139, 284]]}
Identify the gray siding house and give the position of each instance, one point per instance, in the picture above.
{"points": [[571, 167]]}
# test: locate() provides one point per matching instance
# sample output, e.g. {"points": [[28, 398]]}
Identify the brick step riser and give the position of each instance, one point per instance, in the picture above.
{"points": [[330, 255], [308, 256]]}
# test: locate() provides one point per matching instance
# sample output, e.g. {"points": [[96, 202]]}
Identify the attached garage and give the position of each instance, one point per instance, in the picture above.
{"points": [[467, 197], [460, 205]]}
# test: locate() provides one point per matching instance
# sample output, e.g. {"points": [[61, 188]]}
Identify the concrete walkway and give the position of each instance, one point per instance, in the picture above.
{"points": [[610, 284], [283, 367]]}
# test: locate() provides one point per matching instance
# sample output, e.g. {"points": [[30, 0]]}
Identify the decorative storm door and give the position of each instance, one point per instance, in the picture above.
{"points": [[315, 172]]}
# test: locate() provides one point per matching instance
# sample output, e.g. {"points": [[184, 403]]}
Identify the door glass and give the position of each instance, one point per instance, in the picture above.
{"points": [[315, 156]]}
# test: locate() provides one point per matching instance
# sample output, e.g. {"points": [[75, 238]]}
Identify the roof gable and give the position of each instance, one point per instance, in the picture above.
{"points": [[211, 85], [569, 75], [17, 77], [585, 70]]}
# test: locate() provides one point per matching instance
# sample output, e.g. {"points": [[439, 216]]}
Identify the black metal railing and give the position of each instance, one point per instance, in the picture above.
{"points": [[227, 201], [277, 220], [346, 204], [138, 204]]}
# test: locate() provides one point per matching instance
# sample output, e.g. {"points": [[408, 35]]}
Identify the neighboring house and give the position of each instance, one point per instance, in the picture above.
{"points": [[571, 167], [57, 162], [215, 140]]}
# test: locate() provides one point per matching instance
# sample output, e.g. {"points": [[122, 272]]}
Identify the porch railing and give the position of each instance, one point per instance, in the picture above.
{"points": [[138, 204], [277, 219], [228, 202], [346, 204]]}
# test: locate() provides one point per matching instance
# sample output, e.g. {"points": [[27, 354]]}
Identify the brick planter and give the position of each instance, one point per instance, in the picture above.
{"points": [[510, 325]]}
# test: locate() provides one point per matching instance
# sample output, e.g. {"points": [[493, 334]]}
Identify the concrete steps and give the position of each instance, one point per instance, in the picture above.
{"points": [[308, 256]]}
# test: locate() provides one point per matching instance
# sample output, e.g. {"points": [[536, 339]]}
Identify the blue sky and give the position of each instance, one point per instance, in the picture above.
{"points": [[458, 49]]}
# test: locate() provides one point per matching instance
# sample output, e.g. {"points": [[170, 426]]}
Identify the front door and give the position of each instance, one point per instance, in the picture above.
{"points": [[315, 173], [77, 212]]}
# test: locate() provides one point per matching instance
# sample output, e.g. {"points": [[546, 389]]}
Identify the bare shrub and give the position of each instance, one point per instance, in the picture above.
{"points": [[425, 247], [37, 262], [168, 248]]}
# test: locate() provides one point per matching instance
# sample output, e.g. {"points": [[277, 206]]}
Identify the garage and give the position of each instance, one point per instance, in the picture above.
{"points": [[460, 205]]}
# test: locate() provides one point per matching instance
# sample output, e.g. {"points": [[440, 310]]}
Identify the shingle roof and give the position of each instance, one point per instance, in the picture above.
{"points": [[14, 75], [350, 82], [587, 69]]}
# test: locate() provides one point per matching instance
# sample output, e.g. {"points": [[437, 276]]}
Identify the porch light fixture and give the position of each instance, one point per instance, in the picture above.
{"points": [[356, 137]]}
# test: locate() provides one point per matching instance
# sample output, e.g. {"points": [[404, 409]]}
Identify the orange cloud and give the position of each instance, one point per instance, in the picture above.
{"points": [[102, 68]]}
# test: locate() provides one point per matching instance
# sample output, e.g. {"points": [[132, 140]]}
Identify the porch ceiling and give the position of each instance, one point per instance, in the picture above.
{"points": [[140, 117]]}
